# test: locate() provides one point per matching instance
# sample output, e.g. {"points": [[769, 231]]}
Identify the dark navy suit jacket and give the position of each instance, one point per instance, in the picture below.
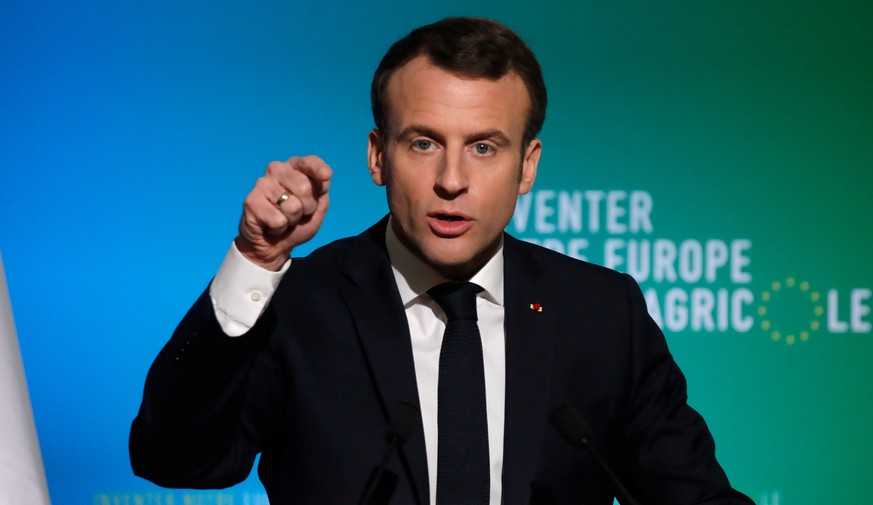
{"points": [[312, 385]]}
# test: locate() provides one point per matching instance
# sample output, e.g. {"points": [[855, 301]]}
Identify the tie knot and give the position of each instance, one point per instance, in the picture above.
{"points": [[457, 299]]}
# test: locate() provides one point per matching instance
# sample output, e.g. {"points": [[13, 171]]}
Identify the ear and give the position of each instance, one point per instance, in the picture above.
{"points": [[529, 166], [375, 150]]}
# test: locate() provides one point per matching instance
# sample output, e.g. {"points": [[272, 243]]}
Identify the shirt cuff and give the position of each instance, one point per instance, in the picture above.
{"points": [[241, 291]]}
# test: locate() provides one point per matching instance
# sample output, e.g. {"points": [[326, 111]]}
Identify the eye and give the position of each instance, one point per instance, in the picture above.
{"points": [[483, 149], [422, 144]]}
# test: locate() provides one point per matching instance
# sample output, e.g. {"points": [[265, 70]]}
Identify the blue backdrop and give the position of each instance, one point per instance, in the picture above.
{"points": [[131, 132]]}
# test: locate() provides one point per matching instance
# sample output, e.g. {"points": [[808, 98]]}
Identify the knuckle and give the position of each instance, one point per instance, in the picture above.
{"points": [[292, 207], [274, 167], [261, 184], [303, 190], [250, 203]]}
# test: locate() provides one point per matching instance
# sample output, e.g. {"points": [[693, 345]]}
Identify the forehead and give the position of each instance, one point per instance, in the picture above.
{"points": [[421, 92]]}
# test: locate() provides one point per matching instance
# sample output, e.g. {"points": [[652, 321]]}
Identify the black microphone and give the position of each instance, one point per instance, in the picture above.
{"points": [[381, 484], [576, 432]]}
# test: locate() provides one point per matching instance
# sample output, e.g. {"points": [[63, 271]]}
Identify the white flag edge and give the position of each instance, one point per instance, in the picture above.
{"points": [[22, 474]]}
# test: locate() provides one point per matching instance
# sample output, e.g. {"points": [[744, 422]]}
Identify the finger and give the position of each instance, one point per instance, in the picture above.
{"points": [[285, 199], [261, 211], [316, 170], [297, 184], [261, 218]]}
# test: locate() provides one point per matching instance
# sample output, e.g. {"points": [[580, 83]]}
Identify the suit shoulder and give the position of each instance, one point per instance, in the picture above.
{"points": [[327, 252], [322, 261], [357, 256]]}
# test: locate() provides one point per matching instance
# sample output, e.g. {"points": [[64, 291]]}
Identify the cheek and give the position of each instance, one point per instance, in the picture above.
{"points": [[402, 198], [500, 202], [502, 191]]}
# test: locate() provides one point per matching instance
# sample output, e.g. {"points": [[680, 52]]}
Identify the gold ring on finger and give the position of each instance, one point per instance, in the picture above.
{"points": [[281, 199]]}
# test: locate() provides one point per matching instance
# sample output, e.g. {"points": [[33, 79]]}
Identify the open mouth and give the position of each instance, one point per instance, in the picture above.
{"points": [[449, 225]]}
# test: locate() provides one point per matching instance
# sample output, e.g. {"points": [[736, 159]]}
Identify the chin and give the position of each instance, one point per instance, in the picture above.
{"points": [[454, 266]]}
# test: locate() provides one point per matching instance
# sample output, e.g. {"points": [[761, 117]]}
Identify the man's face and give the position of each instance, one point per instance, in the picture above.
{"points": [[452, 163]]}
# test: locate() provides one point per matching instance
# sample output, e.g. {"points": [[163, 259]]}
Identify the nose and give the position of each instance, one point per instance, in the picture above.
{"points": [[452, 178]]}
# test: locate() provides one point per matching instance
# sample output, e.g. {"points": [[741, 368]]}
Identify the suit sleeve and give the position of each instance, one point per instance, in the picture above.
{"points": [[200, 425], [670, 452]]}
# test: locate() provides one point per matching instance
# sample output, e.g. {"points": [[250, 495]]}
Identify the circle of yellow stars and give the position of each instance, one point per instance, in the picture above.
{"points": [[776, 289]]}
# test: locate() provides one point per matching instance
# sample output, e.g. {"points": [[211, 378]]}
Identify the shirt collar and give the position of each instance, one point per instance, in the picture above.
{"points": [[414, 277]]}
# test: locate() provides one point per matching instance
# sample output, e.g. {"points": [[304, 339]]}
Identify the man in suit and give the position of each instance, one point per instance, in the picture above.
{"points": [[304, 361]]}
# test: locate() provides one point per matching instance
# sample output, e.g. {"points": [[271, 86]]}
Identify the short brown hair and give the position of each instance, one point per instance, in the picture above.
{"points": [[468, 47]]}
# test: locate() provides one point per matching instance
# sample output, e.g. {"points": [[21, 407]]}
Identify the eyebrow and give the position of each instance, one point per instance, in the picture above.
{"points": [[493, 134]]}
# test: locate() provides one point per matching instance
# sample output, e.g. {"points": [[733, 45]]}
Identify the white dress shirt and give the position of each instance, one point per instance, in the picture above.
{"points": [[241, 291]]}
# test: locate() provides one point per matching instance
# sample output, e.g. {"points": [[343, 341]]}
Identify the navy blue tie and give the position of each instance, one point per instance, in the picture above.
{"points": [[463, 474]]}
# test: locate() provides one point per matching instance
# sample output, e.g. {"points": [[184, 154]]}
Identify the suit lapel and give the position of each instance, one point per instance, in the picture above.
{"points": [[383, 332], [529, 348], [374, 303]]}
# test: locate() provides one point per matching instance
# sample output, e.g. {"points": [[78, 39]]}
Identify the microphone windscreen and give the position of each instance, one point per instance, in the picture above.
{"points": [[571, 425], [405, 418]]}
